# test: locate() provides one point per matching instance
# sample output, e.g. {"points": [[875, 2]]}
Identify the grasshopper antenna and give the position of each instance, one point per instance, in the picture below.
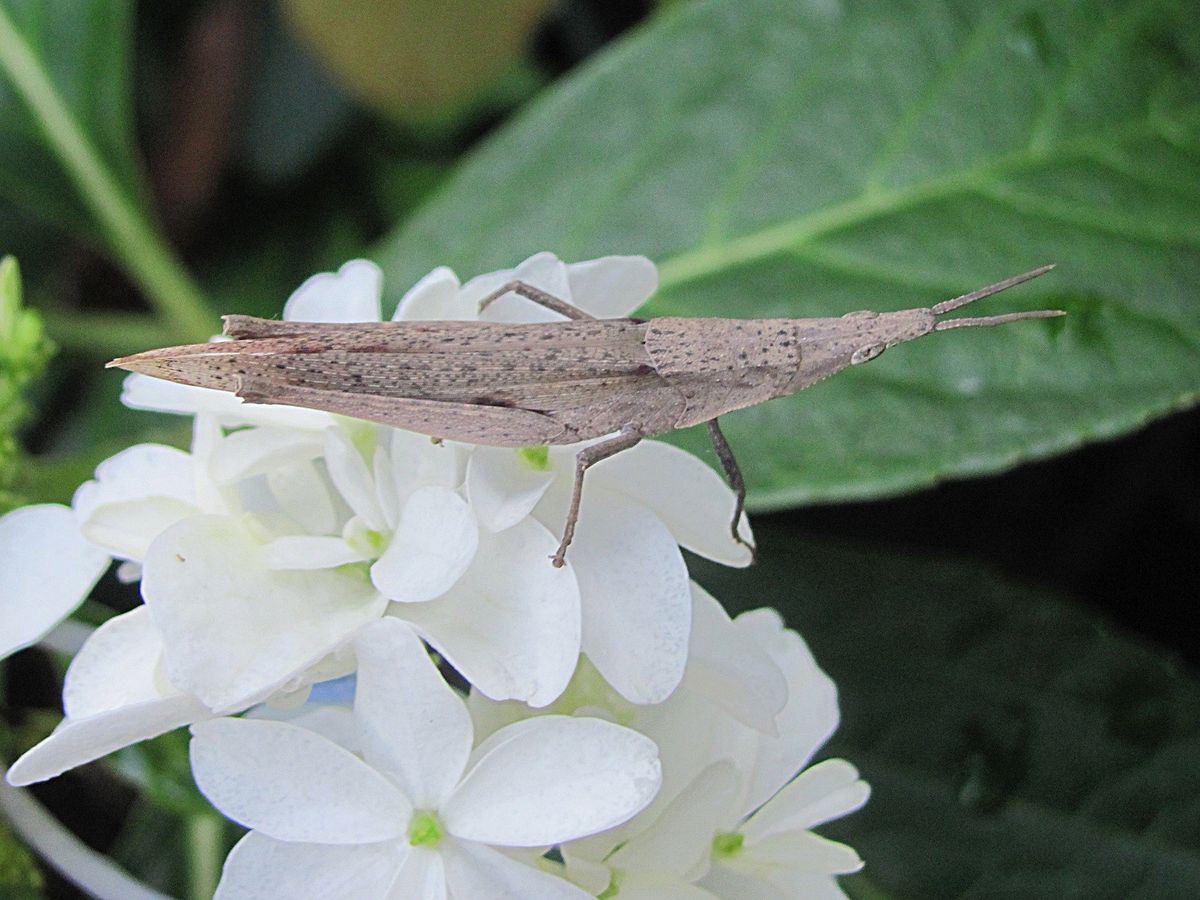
{"points": [[949, 305]]}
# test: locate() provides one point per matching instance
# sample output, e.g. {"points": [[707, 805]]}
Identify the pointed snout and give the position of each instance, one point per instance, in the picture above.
{"points": [[201, 365]]}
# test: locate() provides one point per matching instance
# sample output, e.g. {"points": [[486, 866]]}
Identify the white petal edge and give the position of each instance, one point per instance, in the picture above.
{"points": [[293, 784], [434, 298], [511, 625], [692, 500], [476, 871], [118, 665], [46, 570], [79, 741], [551, 779], [234, 631], [349, 295], [412, 725], [824, 792], [261, 868], [432, 546], [503, 488], [637, 602], [731, 669], [612, 287], [303, 551]]}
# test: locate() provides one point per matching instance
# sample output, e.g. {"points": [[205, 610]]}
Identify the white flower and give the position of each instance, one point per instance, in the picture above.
{"points": [[419, 814], [733, 818]]}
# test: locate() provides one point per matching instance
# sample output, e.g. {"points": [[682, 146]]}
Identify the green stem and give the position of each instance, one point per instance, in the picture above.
{"points": [[134, 243], [204, 850]]}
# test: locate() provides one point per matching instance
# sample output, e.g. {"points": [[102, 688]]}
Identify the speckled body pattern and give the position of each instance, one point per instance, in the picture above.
{"points": [[510, 385], [519, 385]]}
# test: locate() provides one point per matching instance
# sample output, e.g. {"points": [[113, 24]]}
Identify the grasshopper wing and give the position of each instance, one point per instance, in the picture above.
{"points": [[495, 426]]}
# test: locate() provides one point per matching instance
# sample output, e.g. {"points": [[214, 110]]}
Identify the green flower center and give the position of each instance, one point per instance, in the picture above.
{"points": [[727, 845], [424, 830], [537, 458]]}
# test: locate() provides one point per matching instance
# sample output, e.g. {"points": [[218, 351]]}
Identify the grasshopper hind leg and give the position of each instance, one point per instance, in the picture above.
{"points": [[624, 439], [733, 474]]}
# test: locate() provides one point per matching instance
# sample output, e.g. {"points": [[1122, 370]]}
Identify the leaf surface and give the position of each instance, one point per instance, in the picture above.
{"points": [[782, 158]]}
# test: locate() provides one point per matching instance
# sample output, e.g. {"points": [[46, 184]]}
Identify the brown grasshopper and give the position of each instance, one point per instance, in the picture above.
{"points": [[508, 385]]}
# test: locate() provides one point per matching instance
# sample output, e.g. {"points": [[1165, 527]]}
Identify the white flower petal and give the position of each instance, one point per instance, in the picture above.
{"points": [[594, 877], [46, 570], [302, 494], [729, 883], [503, 487], [435, 297], [475, 871], [294, 785], [542, 270], [303, 551], [117, 665], [144, 470], [637, 603], [829, 790], [256, 451], [551, 779], [678, 845], [154, 394], [235, 630], [432, 546], [349, 473], [412, 725], [79, 741], [334, 723], [799, 852], [612, 287], [418, 462], [385, 484], [423, 876], [732, 670], [806, 721], [127, 529], [261, 868], [511, 624], [691, 498], [349, 295]]}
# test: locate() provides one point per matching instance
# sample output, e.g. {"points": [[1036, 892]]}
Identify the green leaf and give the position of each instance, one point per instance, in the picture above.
{"points": [[1017, 746], [784, 158], [24, 351], [66, 148], [83, 48]]}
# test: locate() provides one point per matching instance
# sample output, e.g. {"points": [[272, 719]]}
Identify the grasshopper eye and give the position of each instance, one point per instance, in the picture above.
{"points": [[866, 354]]}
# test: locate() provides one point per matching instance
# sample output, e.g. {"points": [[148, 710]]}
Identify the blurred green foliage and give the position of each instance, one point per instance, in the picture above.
{"points": [[24, 352]]}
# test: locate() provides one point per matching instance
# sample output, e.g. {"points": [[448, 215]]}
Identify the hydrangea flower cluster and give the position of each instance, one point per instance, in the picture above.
{"points": [[622, 736]]}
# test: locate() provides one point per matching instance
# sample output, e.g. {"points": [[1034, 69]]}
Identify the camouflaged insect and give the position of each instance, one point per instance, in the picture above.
{"points": [[522, 385]]}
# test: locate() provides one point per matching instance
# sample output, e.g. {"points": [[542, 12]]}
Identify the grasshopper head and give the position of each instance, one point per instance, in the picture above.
{"points": [[883, 330]]}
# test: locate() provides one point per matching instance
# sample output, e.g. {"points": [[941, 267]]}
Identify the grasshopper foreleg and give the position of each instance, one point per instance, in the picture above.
{"points": [[734, 475], [538, 296], [622, 440]]}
